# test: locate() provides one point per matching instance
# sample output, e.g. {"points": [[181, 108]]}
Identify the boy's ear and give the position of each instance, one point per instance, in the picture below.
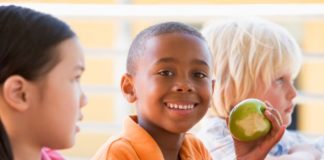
{"points": [[14, 92], [127, 87]]}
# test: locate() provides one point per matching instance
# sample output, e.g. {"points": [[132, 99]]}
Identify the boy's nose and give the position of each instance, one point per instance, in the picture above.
{"points": [[292, 93], [183, 87]]}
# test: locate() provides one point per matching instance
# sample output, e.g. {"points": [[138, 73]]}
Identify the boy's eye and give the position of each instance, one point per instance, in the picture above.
{"points": [[200, 75], [166, 73], [280, 80]]}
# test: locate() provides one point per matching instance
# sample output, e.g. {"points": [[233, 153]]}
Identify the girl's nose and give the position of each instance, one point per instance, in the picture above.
{"points": [[84, 100]]}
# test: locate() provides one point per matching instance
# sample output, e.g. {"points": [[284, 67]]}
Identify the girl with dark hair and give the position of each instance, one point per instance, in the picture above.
{"points": [[41, 62]]}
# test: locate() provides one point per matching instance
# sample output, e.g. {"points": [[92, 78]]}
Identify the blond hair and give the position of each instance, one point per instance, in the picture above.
{"points": [[247, 51]]}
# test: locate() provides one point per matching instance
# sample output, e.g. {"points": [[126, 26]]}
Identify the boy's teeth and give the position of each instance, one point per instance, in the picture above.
{"points": [[182, 107]]}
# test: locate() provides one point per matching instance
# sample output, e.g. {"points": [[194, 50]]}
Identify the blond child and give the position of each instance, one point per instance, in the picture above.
{"points": [[169, 79], [253, 58], [41, 62]]}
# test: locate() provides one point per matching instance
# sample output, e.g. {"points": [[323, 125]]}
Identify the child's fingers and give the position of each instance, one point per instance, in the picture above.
{"points": [[274, 137], [268, 104], [273, 117], [276, 113]]}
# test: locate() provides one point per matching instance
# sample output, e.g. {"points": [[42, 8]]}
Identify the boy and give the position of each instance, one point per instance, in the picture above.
{"points": [[254, 58], [169, 79]]}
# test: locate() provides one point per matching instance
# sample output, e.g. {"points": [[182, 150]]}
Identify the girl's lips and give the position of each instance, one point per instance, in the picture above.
{"points": [[77, 125]]}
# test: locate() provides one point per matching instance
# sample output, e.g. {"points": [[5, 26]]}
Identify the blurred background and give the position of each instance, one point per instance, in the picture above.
{"points": [[106, 28]]}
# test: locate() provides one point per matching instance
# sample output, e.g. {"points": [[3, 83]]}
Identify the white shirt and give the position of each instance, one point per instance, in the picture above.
{"points": [[218, 140]]}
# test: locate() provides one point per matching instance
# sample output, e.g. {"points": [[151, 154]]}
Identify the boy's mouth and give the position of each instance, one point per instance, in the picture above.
{"points": [[180, 106], [289, 109]]}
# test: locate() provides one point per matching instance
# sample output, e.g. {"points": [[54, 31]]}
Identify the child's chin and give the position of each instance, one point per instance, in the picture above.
{"points": [[287, 121], [179, 130], [68, 144], [65, 144]]}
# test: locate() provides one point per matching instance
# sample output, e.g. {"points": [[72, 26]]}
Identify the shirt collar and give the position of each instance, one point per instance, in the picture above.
{"points": [[141, 141]]}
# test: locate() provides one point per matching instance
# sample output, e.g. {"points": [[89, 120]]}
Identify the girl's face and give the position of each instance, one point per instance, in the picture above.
{"points": [[280, 95], [59, 98]]}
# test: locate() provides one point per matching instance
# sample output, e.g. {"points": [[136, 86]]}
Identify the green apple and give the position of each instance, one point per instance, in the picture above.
{"points": [[247, 121]]}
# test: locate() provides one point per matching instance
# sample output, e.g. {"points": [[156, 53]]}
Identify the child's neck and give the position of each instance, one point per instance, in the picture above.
{"points": [[169, 143], [23, 151]]}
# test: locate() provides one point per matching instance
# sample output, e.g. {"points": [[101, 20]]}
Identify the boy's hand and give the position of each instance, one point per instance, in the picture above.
{"points": [[258, 150]]}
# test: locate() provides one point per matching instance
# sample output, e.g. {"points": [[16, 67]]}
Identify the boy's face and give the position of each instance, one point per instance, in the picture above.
{"points": [[172, 84], [280, 95]]}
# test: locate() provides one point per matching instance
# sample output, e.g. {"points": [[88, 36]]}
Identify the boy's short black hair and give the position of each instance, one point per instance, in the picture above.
{"points": [[137, 46]]}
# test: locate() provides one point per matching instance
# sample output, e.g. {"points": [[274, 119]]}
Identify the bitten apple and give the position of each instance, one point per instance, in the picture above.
{"points": [[247, 121]]}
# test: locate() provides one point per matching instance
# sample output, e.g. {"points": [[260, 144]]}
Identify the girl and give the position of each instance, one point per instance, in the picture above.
{"points": [[41, 62]]}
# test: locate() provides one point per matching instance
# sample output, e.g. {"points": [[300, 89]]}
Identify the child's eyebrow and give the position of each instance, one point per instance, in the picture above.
{"points": [[166, 60], [173, 60], [200, 62]]}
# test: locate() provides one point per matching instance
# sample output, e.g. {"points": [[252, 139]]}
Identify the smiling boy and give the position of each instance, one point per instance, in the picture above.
{"points": [[169, 80]]}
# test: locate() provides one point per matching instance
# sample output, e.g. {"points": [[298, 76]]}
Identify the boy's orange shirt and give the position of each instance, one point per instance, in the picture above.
{"points": [[136, 144]]}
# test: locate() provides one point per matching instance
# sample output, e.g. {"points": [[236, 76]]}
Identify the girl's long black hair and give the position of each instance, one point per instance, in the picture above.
{"points": [[27, 41]]}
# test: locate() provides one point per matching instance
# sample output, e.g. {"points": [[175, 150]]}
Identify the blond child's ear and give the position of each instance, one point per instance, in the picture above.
{"points": [[213, 85], [127, 87], [14, 92]]}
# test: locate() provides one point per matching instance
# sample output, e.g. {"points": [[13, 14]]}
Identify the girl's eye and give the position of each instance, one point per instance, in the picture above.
{"points": [[166, 73], [77, 78], [200, 75]]}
